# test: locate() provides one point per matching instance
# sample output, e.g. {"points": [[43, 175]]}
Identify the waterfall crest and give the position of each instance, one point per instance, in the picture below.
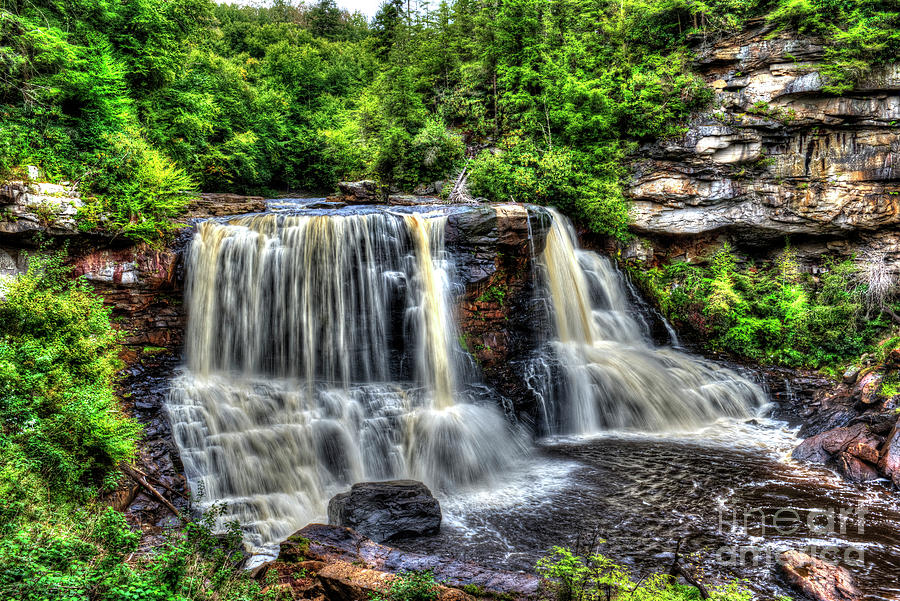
{"points": [[322, 351], [613, 378]]}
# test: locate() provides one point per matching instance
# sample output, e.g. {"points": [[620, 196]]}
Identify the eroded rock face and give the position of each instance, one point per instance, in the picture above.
{"points": [[500, 317], [142, 285], [819, 579], [889, 460], [854, 451], [776, 155], [30, 207], [386, 511]]}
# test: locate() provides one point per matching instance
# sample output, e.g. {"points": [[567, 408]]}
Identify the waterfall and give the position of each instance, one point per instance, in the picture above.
{"points": [[612, 377], [322, 351]]}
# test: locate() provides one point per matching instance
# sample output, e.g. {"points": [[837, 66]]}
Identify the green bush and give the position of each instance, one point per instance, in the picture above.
{"points": [[594, 576], [58, 356], [138, 190], [774, 313], [90, 558], [411, 586], [522, 172]]}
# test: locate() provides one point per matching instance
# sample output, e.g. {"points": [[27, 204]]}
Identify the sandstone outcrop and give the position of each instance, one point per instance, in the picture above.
{"points": [[30, 207], [363, 191], [211, 204], [776, 155], [819, 579], [852, 427], [334, 545], [853, 450]]}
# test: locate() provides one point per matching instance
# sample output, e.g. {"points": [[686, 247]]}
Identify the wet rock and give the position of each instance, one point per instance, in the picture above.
{"points": [[334, 543], [294, 549], [889, 462], [856, 440], [868, 387], [363, 191], [385, 511], [854, 450], [819, 579], [855, 469], [850, 375]]}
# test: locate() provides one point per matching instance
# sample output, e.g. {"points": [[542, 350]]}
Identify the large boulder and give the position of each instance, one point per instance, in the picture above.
{"points": [[363, 191], [211, 204], [386, 511], [344, 581], [854, 450], [819, 579]]}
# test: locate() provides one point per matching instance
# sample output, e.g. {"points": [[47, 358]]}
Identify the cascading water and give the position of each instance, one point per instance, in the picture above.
{"points": [[612, 376], [322, 351]]}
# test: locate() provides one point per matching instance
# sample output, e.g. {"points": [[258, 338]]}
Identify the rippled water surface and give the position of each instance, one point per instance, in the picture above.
{"points": [[643, 493]]}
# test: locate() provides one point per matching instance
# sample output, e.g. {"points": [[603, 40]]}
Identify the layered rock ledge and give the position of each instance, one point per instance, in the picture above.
{"points": [[776, 155], [342, 547]]}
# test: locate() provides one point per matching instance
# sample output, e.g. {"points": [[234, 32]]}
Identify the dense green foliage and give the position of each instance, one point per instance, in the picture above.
{"points": [[770, 314], [62, 433], [142, 103], [90, 556], [59, 418]]}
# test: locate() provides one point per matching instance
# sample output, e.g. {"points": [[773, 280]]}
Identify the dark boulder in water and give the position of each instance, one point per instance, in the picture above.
{"points": [[386, 511]]}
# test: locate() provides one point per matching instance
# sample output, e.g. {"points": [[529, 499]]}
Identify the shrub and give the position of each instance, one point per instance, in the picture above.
{"points": [[411, 586], [521, 171], [58, 355], [773, 313], [137, 190], [593, 576], [88, 557]]}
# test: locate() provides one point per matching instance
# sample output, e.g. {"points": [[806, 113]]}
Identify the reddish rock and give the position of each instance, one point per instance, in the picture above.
{"points": [[855, 469], [820, 448], [868, 387], [819, 579], [140, 284], [889, 462], [344, 581]]}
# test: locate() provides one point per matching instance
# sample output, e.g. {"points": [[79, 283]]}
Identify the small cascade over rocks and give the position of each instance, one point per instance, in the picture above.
{"points": [[611, 377], [321, 351]]}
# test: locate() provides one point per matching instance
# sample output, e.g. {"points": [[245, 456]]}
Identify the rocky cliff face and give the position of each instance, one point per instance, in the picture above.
{"points": [[500, 315], [775, 156]]}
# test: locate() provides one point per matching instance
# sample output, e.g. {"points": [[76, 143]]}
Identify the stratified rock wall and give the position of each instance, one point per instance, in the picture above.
{"points": [[776, 155]]}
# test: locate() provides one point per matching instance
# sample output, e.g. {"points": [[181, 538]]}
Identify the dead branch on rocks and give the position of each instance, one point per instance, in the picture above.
{"points": [[678, 570], [138, 477], [459, 194]]}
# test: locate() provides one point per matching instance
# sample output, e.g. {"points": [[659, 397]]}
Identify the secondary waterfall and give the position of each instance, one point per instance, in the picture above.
{"points": [[322, 351], [612, 376]]}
